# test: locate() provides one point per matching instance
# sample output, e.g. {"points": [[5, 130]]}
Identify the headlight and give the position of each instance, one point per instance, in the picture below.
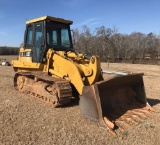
{"points": [[25, 54], [28, 54]]}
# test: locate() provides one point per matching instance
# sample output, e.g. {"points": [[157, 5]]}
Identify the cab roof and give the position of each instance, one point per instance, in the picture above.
{"points": [[49, 18]]}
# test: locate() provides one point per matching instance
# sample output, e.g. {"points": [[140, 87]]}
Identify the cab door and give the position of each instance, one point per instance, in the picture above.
{"points": [[38, 42]]}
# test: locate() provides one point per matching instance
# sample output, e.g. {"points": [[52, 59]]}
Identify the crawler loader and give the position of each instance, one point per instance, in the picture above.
{"points": [[48, 68]]}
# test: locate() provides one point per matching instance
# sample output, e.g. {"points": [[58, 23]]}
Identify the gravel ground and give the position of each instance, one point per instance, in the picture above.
{"points": [[25, 120]]}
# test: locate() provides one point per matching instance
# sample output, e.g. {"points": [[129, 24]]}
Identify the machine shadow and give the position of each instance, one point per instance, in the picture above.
{"points": [[153, 102], [74, 102]]}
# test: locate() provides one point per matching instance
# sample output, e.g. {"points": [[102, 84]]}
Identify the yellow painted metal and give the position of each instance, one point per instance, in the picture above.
{"points": [[94, 64], [56, 73], [23, 64], [49, 18], [74, 68], [68, 65], [49, 55], [68, 69], [25, 58], [85, 69], [81, 73]]}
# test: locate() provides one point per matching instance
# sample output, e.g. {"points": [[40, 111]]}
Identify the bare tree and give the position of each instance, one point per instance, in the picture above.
{"points": [[109, 44]]}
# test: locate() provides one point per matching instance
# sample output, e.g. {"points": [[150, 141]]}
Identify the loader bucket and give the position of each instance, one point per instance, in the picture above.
{"points": [[117, 102]]}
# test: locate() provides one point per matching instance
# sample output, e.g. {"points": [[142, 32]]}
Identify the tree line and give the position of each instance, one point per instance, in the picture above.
{"points": [[111, 45], [5, 50], [116, 47]]}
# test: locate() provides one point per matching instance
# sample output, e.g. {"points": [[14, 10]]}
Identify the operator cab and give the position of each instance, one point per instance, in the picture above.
{"points": [[47, 32]]}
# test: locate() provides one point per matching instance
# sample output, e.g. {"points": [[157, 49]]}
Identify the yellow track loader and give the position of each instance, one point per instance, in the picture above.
{"points": [[49, 69]]}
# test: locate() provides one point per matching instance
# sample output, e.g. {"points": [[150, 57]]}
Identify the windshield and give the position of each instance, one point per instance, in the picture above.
{"points": [[58, 36]]}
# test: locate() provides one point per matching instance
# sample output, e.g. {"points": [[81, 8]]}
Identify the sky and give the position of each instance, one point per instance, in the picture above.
{"points": [[126, 15]]}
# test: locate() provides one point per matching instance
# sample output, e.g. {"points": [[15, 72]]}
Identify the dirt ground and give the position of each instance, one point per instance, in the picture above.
{"points": [[25, 120]]}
